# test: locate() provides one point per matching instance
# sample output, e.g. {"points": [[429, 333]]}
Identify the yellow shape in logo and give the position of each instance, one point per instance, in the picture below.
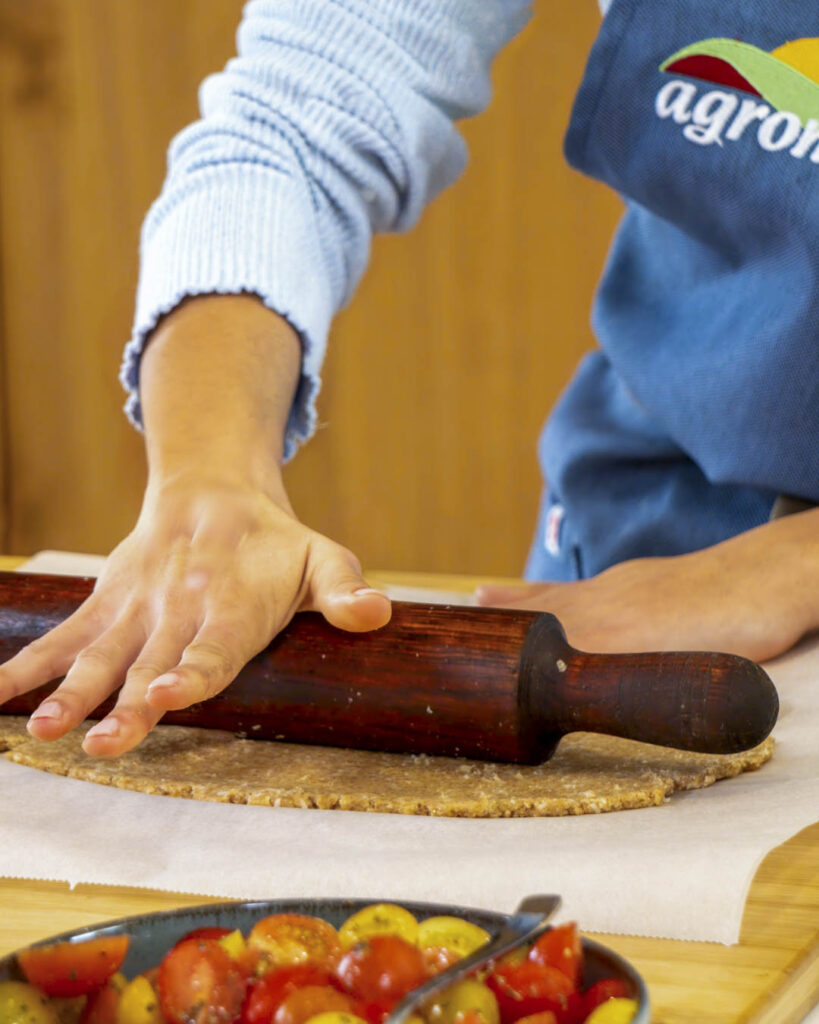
{"points": [[801, 54]]}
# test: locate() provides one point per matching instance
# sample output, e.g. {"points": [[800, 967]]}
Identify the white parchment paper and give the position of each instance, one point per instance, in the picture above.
{"points": [[678, 871]]}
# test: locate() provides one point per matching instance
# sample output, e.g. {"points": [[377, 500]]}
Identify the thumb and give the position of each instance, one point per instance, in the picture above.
{"points": [[343, 596]]}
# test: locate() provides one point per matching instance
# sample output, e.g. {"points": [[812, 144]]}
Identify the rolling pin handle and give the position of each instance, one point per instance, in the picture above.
{"points": [[698, 701]]}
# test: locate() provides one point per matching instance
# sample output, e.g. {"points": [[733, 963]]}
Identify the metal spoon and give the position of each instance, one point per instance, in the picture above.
{"points": [[529, 920]]}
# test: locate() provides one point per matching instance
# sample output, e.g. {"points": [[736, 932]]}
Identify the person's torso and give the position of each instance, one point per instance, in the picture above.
{"points": [[703, 403]]}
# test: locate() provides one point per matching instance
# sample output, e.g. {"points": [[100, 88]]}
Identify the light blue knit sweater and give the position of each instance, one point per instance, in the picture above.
{"points": [[336, 120]]}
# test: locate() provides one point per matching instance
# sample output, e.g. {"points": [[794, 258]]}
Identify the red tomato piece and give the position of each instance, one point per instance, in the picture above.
{"points": [[311, 1000], [382, 969], [561, 948], [523, 990], [268, 992], [373, 1013], [205, 933], [601, 991], [69, 969], [101, 1006], [296, 939], [200, 984], [575, 1012]]}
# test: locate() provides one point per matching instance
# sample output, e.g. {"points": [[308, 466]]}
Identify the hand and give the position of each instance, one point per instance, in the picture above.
{"points": [[754, 595], [217, 563], [207, 578]]}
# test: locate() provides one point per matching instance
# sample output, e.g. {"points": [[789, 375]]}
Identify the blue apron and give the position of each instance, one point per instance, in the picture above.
{"points": [[702, 403]]}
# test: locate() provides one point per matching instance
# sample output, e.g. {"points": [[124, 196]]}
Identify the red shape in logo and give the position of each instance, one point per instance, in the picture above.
{"points": [[712, 69]]}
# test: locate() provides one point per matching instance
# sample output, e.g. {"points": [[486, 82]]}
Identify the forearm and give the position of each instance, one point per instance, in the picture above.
{"points": [[335, 121], [217, 384]]}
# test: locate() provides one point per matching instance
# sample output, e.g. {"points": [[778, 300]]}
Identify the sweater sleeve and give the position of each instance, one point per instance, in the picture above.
{"points": [[335, 120]]}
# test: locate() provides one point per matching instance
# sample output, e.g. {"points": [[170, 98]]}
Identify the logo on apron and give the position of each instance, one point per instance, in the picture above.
{"points": [[551, 534], [784, 84]]}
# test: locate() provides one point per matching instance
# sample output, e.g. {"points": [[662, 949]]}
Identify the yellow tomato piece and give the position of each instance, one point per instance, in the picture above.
{"points": [[336, 1017], [517, 956], [233, 944], [449, 1006], [452, 933], [118, 981], [613, 1011], [138, 1003], [378, 919], [21, 1003]]}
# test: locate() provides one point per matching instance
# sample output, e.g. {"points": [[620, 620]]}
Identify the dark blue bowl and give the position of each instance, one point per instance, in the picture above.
{"points": [[152, 935]]}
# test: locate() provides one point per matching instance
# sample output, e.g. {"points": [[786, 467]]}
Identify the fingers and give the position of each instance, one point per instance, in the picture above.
{"points": [[342, 595], [133, 717], [96, 672], [50, 656], [208, 664]]}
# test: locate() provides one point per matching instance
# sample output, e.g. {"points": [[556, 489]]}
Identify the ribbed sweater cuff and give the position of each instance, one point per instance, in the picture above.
{"points": [[232, 230]]}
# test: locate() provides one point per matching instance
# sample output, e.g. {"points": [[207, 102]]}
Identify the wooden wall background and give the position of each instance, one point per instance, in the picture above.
{"points": [[440, 373]]}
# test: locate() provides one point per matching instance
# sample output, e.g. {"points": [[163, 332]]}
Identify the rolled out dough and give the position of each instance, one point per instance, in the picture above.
{"points": [[588, 774]]}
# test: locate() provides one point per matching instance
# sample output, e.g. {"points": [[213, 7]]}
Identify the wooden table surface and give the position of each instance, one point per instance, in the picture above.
{"points": [[770, 977]]}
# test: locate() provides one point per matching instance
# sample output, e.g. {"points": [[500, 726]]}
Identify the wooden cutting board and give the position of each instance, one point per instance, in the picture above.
{"points": [[770, 977]]}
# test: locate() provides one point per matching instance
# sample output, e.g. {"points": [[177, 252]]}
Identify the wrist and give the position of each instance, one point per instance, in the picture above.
{"points": [[199, 479], [217, 383]]}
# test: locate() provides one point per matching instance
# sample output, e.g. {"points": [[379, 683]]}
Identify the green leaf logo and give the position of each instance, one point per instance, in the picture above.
{"points": [[787, 79]]}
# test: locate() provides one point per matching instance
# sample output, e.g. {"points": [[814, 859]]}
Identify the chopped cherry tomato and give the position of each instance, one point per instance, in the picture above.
{"points": [[608, 988], [200, 984], [152, 976], [73, 968], [267, 993], [561, 948], [465, 997], [310, 1001], [101, 1006], [575, 1012], [453, 933], [517, 956], [613, 1011], [382, 969], [296, 939], [545, 1017], [340, 1017], [379, 919], [476, 1017], [523, 990], [438, 958], [205, 933]]}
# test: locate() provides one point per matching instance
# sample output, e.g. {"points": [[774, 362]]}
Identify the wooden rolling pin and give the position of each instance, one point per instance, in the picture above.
{"points": [[492, 684]]}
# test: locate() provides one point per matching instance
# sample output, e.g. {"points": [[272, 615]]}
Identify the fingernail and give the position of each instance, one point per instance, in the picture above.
{"points": [[48, 709], [107, 727], [166, 682], [363, 591]]}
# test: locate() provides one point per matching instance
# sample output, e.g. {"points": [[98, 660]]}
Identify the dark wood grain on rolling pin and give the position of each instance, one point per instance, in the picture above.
{"points": [[472, 682]]}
